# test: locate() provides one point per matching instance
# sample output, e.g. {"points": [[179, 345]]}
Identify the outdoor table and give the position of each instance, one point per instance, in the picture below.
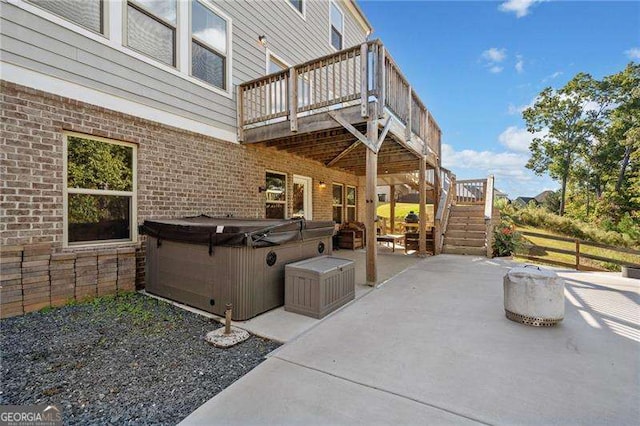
{"points": [[391, 238]]}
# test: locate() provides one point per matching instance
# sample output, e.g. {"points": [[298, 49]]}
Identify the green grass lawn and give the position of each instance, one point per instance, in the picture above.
{"points": [[403, 209], [533, 247]]}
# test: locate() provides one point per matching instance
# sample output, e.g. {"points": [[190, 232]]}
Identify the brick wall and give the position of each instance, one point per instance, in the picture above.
{"points": [[180, 173]]}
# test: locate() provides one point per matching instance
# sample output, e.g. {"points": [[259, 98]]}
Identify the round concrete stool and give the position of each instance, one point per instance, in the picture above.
{"points": [[534, 296]]}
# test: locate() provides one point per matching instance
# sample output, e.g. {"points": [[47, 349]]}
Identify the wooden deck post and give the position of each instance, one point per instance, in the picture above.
{"points": [[364, 81], [422, 185], [392, 208], [240, 113], [437, 192], [371, 198], [293, 99]]}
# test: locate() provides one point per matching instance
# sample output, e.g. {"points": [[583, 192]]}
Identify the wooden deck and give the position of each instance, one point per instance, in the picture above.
{"points": [[321, 109], [353, 110]]}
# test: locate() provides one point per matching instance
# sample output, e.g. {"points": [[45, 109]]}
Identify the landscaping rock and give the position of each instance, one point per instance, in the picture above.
{"points": [[129, 359]]}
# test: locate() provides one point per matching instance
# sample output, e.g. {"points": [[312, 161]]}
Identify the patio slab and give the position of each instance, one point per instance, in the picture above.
{"points": [[284, 326], [436, 336]]}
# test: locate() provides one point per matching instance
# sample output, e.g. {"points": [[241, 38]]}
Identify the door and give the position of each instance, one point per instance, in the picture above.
{"points": [[302, 197]]}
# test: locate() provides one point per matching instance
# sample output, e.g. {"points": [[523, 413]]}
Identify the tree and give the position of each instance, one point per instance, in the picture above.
{"points": [[564, 121]]}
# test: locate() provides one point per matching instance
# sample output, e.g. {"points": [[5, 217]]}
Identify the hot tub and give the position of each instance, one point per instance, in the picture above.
{"points": [[207, 262]]}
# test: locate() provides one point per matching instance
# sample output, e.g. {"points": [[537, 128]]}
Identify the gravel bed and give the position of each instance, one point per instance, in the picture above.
{"points": [[128, 359]]}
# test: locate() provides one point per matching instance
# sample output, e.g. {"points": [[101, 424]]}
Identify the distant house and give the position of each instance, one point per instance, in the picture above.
{"points": [[542, 197], [524, 201], [500, 195]]}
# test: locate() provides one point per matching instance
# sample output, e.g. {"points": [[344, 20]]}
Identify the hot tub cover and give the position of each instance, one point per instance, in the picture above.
{"points": [[235, 231]]}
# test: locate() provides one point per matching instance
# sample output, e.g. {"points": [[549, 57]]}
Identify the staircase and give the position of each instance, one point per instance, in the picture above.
{"points": [[466, 231]]}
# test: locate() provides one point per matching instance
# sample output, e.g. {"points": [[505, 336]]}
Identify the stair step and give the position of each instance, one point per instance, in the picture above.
{"points": [[452, 226], [462, 233], [470, 220], [470, 207], [470, 251], [467, 242]]}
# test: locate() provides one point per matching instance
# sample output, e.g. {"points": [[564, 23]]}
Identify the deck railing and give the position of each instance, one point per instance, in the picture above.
{"points": [[471, 191], [355, 75]]}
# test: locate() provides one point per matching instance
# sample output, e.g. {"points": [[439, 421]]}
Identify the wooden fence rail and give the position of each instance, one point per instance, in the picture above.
{"points": [[578, 253]]}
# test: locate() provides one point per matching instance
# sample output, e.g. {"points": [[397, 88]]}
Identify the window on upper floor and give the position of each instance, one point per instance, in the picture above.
{"points": [[88, 13], [208, 45], [337, 26], [297, 5], [151, 28], [100, 190]]}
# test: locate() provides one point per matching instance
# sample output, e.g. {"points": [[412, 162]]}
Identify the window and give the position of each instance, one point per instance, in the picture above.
{"points": [[276, 195], [87, 13], [208, 45], [382, 198], [151, 29], [338, 202], [297, 5], [337, 26], [351, 203], [100, 190]]}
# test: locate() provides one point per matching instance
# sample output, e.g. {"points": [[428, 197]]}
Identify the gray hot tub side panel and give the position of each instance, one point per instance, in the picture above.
{"points": [[240, 275]]}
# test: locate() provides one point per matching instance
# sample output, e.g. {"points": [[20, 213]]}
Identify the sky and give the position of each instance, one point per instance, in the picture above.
{"points": [[477, 64]]}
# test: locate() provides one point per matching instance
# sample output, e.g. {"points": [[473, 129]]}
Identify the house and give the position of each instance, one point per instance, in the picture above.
{"points": [[119, 111], [524, 201], [537, 200]]}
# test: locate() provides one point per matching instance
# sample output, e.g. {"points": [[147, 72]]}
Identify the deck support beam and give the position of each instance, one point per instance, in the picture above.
{"points": [[371, 202], [343, 153], [392, 208], [422, 185]]}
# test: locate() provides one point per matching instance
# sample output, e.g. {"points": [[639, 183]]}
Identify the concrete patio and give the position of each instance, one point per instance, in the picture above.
{"points": [[432, 346]]}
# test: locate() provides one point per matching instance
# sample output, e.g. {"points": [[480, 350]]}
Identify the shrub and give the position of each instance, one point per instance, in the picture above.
{"points": [[505, 238], [541, 218]]}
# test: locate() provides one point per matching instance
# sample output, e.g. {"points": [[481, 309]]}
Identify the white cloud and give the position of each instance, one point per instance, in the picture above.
{"points": [[519, 109], [508, 168], [492, 58], [519, 64], [494, 55], [552, 76], [516, 139], [633, 53], [519, 7]]}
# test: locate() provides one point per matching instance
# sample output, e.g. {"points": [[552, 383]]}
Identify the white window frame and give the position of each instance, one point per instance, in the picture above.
{"points": [[104, 6], [227, 57], [133, 212], [268, 55], [342, 216], [114, 15], [142, 9], [351, 206], [308, 196], [303, 13], [286, 192], [332, 2]]}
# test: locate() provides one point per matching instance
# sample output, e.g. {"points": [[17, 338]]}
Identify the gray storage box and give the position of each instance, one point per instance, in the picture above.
{"points": [[318, 286]]}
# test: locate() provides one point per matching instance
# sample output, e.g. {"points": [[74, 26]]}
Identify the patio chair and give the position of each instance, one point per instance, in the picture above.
{"points": [[351, 235]]}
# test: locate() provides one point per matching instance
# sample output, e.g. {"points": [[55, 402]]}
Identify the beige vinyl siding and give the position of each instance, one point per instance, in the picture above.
{"points": [[37, 44]]}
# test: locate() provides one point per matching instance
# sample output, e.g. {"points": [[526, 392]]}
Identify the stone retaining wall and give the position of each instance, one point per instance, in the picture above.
{"points": [[34, 277]]}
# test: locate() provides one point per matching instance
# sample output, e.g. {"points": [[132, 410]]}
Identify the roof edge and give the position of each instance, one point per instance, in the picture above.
{"points": [[363, 21]]}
